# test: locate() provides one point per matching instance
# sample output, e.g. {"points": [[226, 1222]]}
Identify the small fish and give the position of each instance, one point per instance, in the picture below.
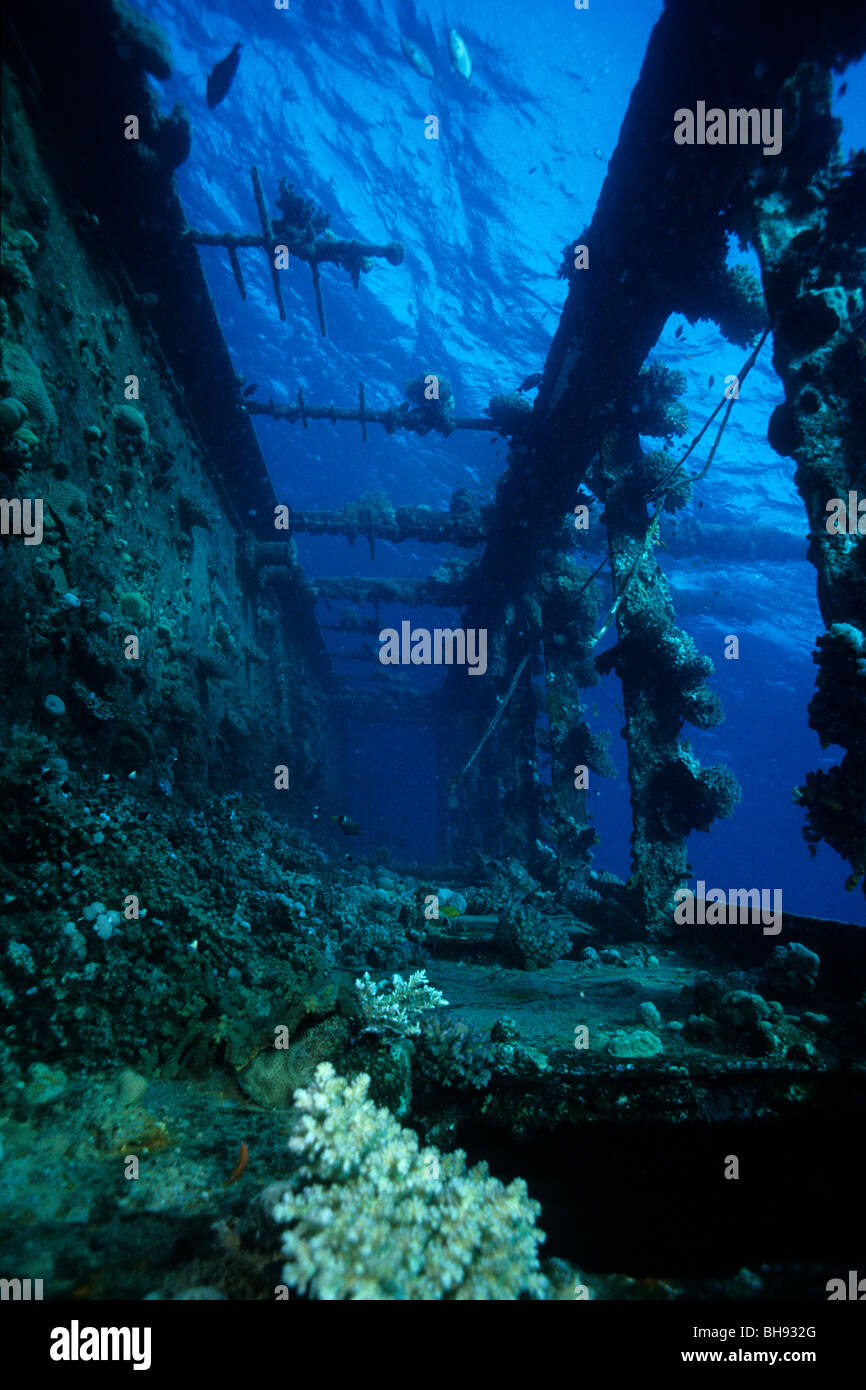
{"points": [[533, 169], [711, 382], [315, 813], [531, 382], [242, 1163], [219, 81], [347, 825], [679, 331], [460, 60], [598, 154], [842, 90], [449, 910], [251, 389], [414, 55]]}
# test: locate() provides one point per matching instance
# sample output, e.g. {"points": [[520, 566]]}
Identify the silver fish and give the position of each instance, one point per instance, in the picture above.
{"points": [[460, 60], [419, 60]]}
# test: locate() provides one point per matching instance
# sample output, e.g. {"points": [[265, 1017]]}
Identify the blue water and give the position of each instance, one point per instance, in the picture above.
{"points": [[325, 98]]}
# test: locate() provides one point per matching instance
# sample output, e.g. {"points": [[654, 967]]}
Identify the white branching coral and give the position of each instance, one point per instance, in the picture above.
{"points": [[397, 1003], [378, 1218]]}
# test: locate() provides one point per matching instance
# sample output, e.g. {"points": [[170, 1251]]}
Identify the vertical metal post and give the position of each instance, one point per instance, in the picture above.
{"points": [[267, 239]]}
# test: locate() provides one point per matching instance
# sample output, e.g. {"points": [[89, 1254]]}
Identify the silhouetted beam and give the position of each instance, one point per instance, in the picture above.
{"points": [[402, 417], [335, 250], [405, 523], [437, 593], [267, 240]]}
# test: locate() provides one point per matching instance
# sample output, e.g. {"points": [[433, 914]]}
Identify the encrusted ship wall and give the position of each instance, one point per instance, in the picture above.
{"points": [[140, 636]]}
